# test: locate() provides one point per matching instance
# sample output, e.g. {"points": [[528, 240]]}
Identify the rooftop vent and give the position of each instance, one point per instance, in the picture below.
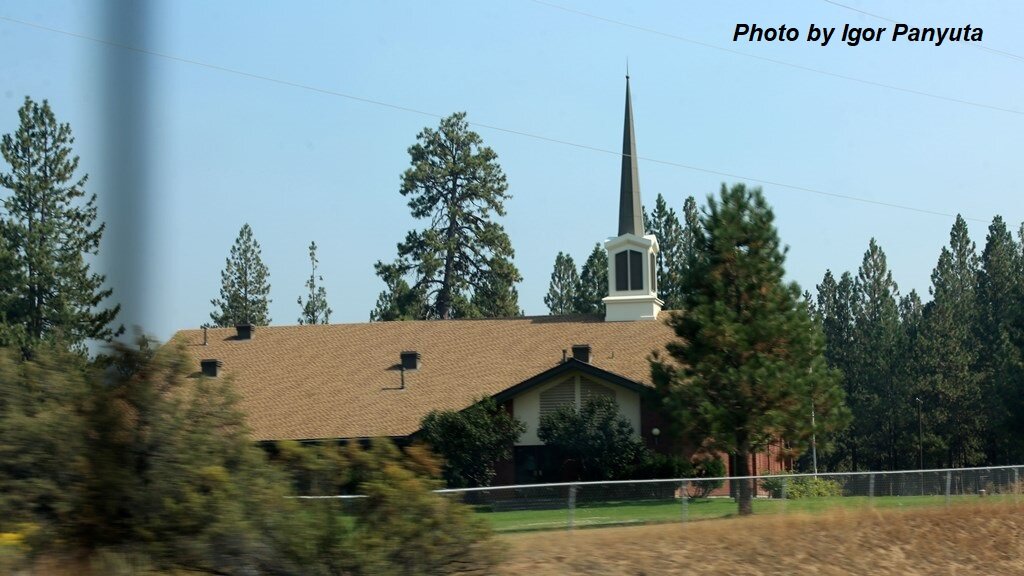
{"points": [[581, 352], [244, 331], [410, 360], [210, 367]]}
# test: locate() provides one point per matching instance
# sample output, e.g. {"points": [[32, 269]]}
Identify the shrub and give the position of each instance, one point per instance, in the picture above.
{"points": [[800, 487], [814, 487], [707, 468], [774, 484], [470, 441], [596, 437], [655, 465]]}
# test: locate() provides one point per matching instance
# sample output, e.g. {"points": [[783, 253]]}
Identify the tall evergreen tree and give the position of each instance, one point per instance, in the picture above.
{"points": [[315, 309], [692, 230], [999, 330], [593, 283], [245, 285], [948, 384], [749, 365], [456, 183], [833, 310], [881, 409], [563, 290], [48, 228], [671, 261]]}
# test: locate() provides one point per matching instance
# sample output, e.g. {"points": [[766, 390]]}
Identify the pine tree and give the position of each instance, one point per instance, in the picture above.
{"points": [[245, 285], [456, 183], [398, 301], [948, 384], [691, 232], [593, 283], [315, 310], [48, 290], [671, 261], [749, 364], [497, 297], [835, 313], [999, 331], [881, 409], [563, 290]]}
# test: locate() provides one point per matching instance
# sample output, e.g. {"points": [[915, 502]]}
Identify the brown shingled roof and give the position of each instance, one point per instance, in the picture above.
{"points": [[342, 381]]}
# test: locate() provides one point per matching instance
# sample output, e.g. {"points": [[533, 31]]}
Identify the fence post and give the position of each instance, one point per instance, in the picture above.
{"points": [[1016, 487], [572, 506], [871, 485], [684, 498], [782, 493], [949, 481]]}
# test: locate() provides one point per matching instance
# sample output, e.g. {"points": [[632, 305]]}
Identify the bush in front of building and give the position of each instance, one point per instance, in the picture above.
{"points": [[784, 484], [596, 440]]}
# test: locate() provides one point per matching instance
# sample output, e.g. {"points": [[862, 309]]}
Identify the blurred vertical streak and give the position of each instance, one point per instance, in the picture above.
{"points": [[128, 240]]}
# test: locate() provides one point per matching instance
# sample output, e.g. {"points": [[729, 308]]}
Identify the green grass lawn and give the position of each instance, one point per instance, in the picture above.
{"points": [[659, 511]]}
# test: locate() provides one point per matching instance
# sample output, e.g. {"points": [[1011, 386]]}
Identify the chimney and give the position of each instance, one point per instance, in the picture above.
{"points": [[581, 352], [244, 331], [210, 367], [410, 360]]}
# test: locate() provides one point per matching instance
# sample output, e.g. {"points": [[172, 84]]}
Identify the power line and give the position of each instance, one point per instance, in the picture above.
{"points": [[890, 20], [339, 94], [781, 62]]}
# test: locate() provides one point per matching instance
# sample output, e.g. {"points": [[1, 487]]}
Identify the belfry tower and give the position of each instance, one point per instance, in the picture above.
{"points": [[632, 269]]}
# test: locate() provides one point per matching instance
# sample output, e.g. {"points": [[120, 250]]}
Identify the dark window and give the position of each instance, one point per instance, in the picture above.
{"points": [[629, 270], [636, 270], [622, 271]]}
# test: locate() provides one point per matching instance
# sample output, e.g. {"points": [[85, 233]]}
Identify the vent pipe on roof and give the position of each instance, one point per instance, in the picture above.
{"points": [[244, 331], [204, 335], [581, 352], [410, 360], [210, 367]]}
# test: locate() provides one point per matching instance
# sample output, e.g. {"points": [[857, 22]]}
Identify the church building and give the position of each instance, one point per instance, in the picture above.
{"points": [[355, 381]]}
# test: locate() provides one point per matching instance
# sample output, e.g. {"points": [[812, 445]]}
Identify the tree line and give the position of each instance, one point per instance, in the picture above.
{"points": [[936, 384]]}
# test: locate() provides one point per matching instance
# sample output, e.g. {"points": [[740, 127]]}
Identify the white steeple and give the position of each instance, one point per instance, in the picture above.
{"points": [[632, 270]]}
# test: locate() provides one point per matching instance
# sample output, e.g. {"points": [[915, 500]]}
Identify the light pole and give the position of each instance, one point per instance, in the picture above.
{"points": [[814, 442], [920, 430]]}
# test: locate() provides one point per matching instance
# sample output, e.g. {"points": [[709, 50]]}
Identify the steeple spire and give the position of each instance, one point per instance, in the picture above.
{"points": [[632, 256], [631, 219]]}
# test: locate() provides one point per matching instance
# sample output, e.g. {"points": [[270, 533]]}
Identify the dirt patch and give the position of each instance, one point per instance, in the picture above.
{"points": [[963, 540]]}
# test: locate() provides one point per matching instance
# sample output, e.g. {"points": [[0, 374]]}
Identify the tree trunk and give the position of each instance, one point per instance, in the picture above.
{"points": [[744, 494]]}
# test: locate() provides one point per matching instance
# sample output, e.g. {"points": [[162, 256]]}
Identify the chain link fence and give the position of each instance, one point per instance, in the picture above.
{"points": [[584, 504]]}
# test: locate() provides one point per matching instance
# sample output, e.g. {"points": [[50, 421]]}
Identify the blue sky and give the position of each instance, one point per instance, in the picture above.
{"points": [[297, 120]]}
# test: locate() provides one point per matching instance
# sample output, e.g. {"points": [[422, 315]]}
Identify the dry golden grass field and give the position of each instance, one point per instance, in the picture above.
{"points": [[963, 540]]}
